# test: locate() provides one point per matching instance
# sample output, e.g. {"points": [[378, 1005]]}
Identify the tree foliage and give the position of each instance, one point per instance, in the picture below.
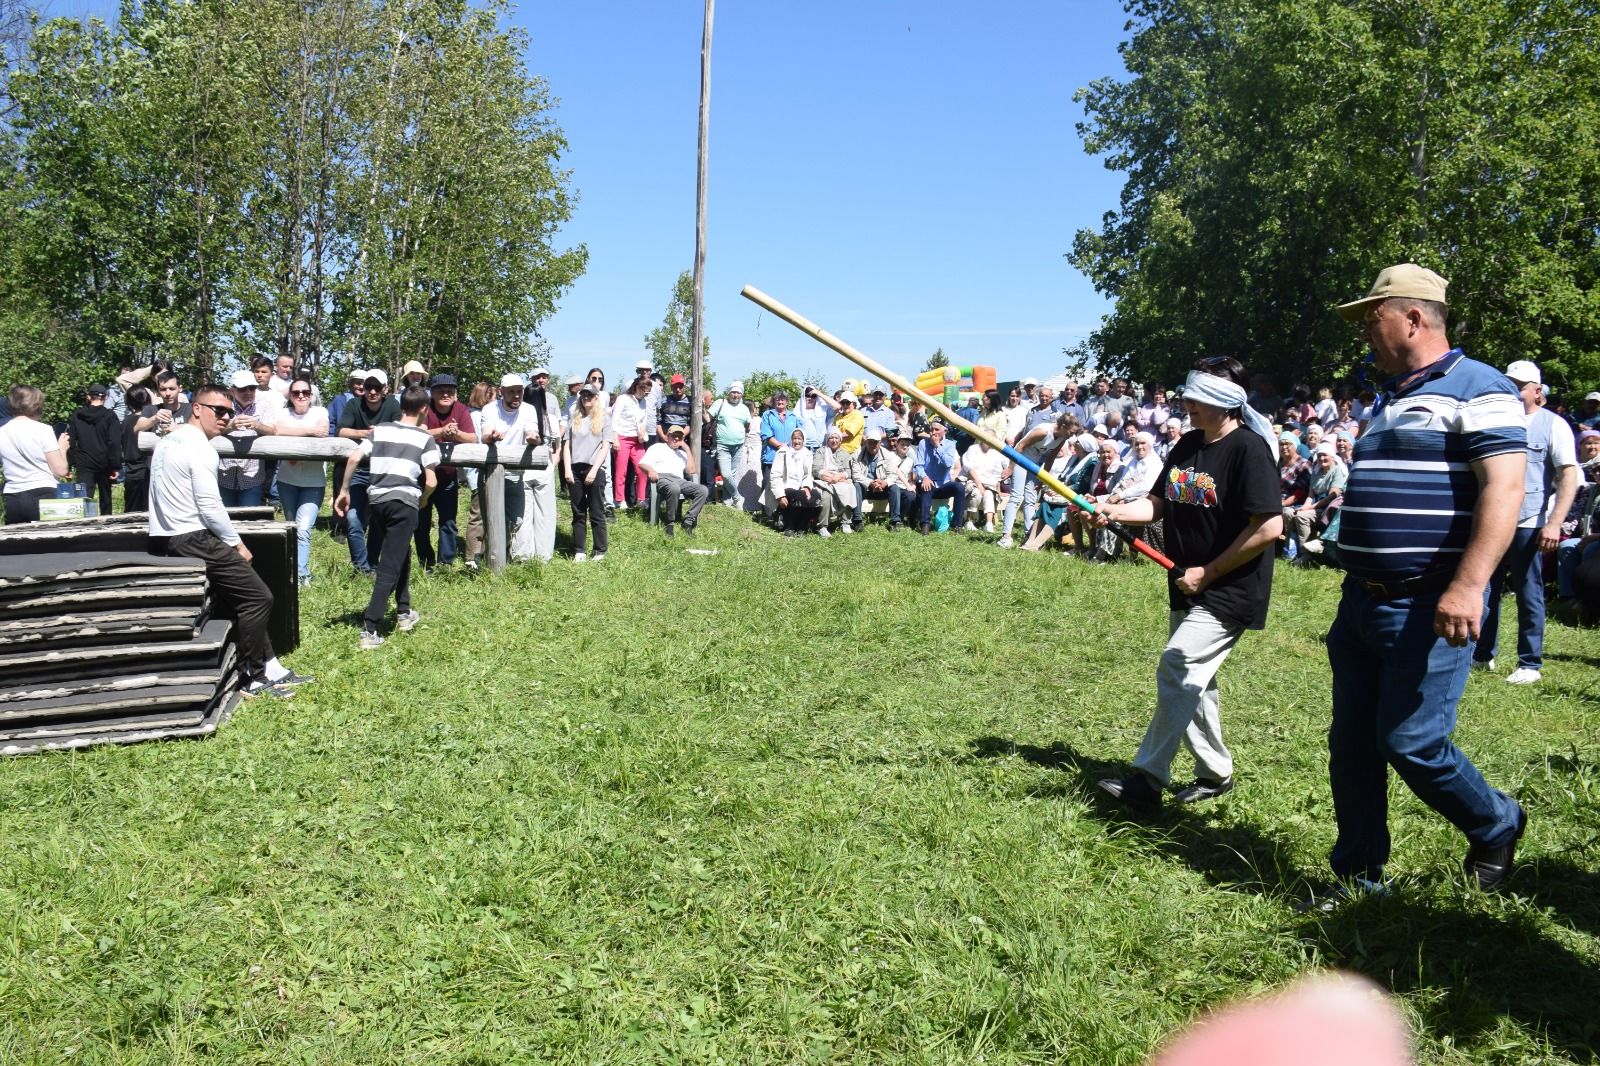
{"points": [[936, 360], [347, 182], [1279, 154], [671, 344]]}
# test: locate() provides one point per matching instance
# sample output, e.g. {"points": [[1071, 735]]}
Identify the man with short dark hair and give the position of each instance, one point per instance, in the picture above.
{"points": [[1430, 507], [187, 518], [170, 412], [96, 446], [402, 457], [448, 421], [356, 422], [675, 408]]}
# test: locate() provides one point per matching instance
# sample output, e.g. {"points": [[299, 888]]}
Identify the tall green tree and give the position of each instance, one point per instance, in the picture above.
{"points": [[1277, 155], [936, 360], [671, 344]]}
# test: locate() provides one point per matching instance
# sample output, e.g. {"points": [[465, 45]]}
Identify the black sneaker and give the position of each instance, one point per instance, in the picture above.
{"points": [[292, 679], [263, 688], [1489, 868], [1135, 790], [668, 530], [1203, 788]]}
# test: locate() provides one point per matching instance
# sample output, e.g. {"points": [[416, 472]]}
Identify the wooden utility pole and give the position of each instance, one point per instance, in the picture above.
{"points": [[696, 378]]}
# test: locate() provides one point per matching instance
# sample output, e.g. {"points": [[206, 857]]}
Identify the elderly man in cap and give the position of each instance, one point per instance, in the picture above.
{"points": [[95, 450], [536, 537], [448, 421], [674, 409], [936, 472], [879, 416], [1550, 480], [670, 466], [241, 481], [1589, 416], [514, 426], [732, 417], [1430, 507], [375, 407]]}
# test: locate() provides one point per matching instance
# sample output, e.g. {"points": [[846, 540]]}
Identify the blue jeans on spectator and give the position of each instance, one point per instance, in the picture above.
{"points": [[250, 497], [301, 505], [1568, 559], [897, 498], [953, 490], [1395, 689], [446, 500], [728, 467], [1523, 570], [356, 521]]}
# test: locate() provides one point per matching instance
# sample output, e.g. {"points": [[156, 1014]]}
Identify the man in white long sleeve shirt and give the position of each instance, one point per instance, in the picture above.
{"points": [[187, 518], [513, 425]]}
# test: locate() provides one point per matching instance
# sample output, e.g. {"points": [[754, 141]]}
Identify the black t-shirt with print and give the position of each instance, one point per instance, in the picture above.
{"points": [[1210, 493]]}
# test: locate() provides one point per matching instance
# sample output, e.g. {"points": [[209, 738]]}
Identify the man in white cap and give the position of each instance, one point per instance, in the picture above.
{"points": [[374, 408], [241, 481], [670, 466], [1550, 480], [1431, 505], [536, 539], [1030, 393], [1589, 417], [511, 424]]}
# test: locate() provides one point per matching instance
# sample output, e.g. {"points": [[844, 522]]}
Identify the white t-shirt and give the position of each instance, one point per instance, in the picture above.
{"points": [[24, 443], [665, 460], [302, 473], [514, 427], [989, 466]]}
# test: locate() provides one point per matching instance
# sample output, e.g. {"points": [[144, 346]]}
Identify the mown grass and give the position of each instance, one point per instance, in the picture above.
{"points": [[798, 801]]}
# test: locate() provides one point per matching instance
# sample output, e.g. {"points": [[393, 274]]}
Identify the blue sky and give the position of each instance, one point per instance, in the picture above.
{"points": [[907, 175]]}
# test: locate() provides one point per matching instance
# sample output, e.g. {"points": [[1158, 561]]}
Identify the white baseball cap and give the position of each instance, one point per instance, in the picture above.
{"points": [[1595, 396], [1029, 381], [242, 379], [1524, 372], [644, 364], [382, 378], [1100, 427], [512, 381], [738, 386]]}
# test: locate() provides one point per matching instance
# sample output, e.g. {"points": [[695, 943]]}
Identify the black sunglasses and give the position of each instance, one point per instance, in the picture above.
{"points": [[218, 410], [299, 392]]}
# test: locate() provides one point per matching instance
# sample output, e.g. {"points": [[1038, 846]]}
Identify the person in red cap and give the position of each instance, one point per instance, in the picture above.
{"points": [[675, 408]]}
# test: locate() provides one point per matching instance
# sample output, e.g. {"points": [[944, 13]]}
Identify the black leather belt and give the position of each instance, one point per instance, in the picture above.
{"points": [[1437, 581]]}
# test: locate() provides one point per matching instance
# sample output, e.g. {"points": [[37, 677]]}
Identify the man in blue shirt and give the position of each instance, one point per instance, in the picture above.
{"points": [[777, 426], [936, 470], [1435, 485]]}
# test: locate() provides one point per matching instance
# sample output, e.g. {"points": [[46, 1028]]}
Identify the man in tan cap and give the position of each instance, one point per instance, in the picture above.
{"points": [[1431, 504]]}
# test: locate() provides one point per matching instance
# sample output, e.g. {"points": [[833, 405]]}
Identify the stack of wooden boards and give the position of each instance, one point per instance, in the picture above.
{"points": [[101, 642]]}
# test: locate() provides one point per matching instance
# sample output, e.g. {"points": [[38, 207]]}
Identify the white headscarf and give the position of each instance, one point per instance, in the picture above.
{"points": [[1222, 392]]}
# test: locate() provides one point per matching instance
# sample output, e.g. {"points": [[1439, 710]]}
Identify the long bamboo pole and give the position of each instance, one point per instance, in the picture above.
{"points": [[804, 325], [697, 371]]}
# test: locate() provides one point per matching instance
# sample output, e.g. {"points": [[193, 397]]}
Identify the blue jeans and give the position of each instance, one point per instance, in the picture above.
{"points": [[1568, 559], [302, 505], [953, 490], [356, 522], [446, 500], [897, 498], [1395, 689], [1520, 567], [728, 467], [250, 497], [1024, 495]]}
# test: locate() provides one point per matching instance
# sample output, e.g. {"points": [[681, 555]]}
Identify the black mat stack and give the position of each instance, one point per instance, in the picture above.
{"points": [[101, 642]]}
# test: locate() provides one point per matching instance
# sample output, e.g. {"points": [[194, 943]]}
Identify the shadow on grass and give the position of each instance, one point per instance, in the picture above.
{"points": [[1237, 855], [1469, 967]]}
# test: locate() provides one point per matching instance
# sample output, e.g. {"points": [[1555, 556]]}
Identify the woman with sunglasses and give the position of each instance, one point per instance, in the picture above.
{"points": [[583, 462], [301, 482]]}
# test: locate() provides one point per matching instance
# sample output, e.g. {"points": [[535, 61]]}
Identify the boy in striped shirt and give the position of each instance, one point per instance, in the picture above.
{"points": [[401, 458]]}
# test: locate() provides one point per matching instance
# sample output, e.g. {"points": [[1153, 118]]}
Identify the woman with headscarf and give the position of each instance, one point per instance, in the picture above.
{"points": [[1218, 497]]}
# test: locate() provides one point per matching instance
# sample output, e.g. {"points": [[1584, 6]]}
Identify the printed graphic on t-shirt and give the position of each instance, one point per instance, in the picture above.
{"points": [[1191, 486]]}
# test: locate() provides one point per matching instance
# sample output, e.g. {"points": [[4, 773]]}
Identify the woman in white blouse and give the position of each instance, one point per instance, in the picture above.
{"points": [[32, 458], [793, 485]]}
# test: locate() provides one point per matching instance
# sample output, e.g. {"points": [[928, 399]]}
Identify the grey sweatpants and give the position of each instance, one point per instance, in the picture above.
{"points": [[1186, 697]]}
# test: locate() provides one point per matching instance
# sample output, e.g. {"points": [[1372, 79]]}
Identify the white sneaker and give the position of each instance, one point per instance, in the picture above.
{"points": [[580, 557], [1523, 676], [1004, 542], [370, 639], [1480, 665], [622, 506], [969, 527], [407, 621], [846, 527], [988, 527], [598, 556], [822, 531]]}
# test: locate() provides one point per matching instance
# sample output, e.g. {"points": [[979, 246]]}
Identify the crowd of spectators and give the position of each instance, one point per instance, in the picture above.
{"points": [[822, 463]]}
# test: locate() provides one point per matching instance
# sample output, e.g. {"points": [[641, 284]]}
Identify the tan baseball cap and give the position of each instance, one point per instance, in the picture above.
{"points": [[1404, 281]]}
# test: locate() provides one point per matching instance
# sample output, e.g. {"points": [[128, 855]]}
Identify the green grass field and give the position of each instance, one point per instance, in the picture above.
{"points": [[798, 801]]}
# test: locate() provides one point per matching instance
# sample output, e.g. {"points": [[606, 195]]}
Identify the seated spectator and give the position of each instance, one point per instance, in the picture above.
{"points": [[1311, 435], [986, 481], [1317, 517], [1101, 479], [1052, 519], [1580, 533], [671, 468], [937, 472], [1153, 412], [1171, 433], [1134, 481], [902, 465], [1344, 420], [1344, 445], [1294, 473], [834, 473], [877, 477], [794, 486]]}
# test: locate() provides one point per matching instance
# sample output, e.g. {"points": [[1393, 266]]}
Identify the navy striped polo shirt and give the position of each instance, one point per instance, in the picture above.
{"points": [[1409, 504]]}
